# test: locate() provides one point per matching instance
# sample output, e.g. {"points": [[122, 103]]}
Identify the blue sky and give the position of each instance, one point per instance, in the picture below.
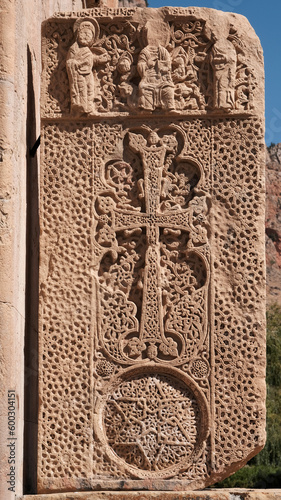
{"points": [[265, 17]]}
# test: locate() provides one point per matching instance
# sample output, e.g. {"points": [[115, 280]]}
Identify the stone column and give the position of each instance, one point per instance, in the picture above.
{"points": [[12, 263], [20, 57]]}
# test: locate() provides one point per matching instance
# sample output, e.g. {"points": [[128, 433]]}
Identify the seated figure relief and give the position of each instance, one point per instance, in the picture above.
{"points": [[185, 77], [191, 67], [127, 71], [156, 88]]}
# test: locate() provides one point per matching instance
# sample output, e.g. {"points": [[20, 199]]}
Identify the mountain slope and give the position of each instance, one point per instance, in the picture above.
{"points": [[273, 224]]}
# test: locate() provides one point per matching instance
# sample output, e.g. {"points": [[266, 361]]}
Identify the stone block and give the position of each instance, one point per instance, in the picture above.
{"points": [[152, 283]]}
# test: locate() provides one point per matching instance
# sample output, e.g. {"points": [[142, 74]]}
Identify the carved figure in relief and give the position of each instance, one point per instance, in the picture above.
{"points": [[156, 88], [184, 66], [127, 70], [185, 77], [245, 80], [80, 63], [223, 60], [189, 54]]}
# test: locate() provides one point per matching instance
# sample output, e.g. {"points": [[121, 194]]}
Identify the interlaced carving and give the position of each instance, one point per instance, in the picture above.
{"points": [[152, 422], [151, 260], [239, 194], [190, 48], [65, 310], [149, 233]]}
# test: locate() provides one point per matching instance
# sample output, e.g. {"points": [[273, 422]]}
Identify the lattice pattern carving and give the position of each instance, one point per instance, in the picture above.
{"points": [[151, 233], [239, 194], [66, 300]]}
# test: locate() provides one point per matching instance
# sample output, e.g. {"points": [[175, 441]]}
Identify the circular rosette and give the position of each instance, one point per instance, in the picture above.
{"points": [[153, 422], [135, 347], [199, 368], [169, 347]]}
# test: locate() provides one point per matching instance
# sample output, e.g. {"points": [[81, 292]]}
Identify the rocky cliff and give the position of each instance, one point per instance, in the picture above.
{"points": [[273, 223]]}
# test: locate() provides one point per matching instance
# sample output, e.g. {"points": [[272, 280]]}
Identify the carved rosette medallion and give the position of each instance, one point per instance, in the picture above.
{"points": [[151, 326], [154, 422]]}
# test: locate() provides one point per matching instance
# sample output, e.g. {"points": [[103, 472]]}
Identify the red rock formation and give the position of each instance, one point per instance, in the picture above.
{"points": [[273, 223]]}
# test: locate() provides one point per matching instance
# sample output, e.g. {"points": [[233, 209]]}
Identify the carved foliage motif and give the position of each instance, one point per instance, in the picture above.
{"points": [[152, 250], [97, 66], [152, 272]]}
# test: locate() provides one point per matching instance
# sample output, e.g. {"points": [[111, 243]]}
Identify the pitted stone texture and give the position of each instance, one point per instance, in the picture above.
{"points": [[152, 260], [221, 494]]}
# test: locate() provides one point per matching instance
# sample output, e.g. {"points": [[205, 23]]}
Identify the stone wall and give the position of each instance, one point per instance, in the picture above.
{"points": [[222, 494], [20, 55]]}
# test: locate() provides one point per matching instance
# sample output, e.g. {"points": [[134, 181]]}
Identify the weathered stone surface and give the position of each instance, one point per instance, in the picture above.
{"points": [[222, 494], [152, 286]]}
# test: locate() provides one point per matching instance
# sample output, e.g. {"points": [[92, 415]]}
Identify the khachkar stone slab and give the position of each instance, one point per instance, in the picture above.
{"points": [[152, 260]]}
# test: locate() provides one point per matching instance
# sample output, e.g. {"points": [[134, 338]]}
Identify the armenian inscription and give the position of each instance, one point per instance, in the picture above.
{"points": [[152, 263]]}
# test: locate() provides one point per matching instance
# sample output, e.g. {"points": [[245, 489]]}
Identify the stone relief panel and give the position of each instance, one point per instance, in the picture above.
{"points": [[152, 262], [80, 64], [147, 302], [97, 66], [155, 424], [151, 234], [65, 291], [152, 265]]}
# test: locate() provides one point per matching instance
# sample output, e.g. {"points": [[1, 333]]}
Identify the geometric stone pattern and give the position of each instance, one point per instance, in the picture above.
{"points": [[151, 421], [152, 262]]}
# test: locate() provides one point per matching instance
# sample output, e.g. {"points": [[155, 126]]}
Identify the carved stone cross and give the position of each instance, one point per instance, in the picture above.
{"points": [[153, 155], [151, 337]]}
